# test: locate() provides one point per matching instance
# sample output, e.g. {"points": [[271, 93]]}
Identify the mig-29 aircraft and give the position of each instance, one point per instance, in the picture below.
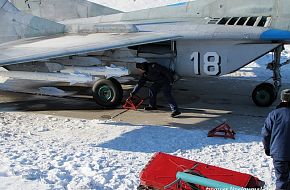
{"points": [[77, 41]]}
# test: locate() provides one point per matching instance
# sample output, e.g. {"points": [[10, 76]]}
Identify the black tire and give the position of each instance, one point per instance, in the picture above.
{"points": [[106, 93], [119, 86], [264, 95], [142, 187]]}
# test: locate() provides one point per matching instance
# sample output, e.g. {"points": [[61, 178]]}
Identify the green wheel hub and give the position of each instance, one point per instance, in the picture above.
{"points": [[263, 96], [105, 93]]}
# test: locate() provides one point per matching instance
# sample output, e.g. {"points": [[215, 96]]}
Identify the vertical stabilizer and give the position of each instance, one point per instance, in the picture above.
{"points": [[15, 24], [59, 10]]}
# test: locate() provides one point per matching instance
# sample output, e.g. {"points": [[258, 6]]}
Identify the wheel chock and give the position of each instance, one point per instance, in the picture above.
{"points": [[223, 130], [132, 103]]}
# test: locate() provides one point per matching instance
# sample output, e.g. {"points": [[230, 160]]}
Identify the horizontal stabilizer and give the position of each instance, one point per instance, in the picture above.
{"points": [[15, 24]]}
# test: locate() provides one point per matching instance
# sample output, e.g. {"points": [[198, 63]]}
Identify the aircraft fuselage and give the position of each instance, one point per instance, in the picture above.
{"points": [[199, 51]]}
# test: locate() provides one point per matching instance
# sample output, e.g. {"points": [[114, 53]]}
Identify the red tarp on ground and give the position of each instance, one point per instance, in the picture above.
{"points": [[162, 168]]}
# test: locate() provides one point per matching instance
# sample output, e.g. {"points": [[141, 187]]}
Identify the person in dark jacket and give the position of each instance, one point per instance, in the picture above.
{"points": [[162, 79], [276, 140]]}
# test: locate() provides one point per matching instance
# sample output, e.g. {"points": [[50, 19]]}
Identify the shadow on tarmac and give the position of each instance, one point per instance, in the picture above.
{"points": [[204, 104]]}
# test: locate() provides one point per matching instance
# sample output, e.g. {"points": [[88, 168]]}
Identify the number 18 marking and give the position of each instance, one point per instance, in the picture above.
{"points": [[211, 62]]}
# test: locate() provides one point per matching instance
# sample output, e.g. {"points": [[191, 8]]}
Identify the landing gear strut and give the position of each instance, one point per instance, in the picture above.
{"points": [[266, 93]]}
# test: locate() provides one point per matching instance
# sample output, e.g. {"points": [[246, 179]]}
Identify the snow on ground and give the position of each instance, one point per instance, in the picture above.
{"points": [[45, 152]]}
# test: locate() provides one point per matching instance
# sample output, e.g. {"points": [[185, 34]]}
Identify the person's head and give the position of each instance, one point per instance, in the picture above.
{"points": [[285, 95], [142, 66]]}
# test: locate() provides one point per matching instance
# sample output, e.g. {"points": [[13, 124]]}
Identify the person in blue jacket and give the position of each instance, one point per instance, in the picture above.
{"points": [[276, 140], [162, 79]]}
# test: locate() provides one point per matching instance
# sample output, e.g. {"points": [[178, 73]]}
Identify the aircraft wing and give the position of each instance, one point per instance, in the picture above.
{"points": [[35, 49]]}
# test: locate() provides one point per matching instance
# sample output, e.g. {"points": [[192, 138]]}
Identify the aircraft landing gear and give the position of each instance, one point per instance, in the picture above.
{"points": [[107, 92], [266, 93]]}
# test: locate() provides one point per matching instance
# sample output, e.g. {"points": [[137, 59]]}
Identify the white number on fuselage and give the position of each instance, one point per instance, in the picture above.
{"points": [[211, 63]]}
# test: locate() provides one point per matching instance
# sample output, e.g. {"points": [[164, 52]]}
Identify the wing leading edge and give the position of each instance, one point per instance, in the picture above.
{"points": [[36, 49]]}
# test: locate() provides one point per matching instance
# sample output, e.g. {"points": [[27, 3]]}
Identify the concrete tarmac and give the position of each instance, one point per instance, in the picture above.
{"points": [[205, 103]]}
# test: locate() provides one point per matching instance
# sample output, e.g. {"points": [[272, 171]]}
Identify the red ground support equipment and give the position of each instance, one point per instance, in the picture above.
{"points": [[223, 130], [132, 103], [162, 168]]}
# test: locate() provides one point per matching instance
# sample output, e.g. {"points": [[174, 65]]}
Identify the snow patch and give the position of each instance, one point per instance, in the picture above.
{"points": [[63, 153]]}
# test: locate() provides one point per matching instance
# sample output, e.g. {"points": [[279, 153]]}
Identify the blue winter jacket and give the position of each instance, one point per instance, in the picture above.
{"points": [[276, 133]]}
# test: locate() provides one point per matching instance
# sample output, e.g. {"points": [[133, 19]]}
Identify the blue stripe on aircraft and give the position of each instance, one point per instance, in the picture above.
{"points": [[274, 34], [177, 4]]}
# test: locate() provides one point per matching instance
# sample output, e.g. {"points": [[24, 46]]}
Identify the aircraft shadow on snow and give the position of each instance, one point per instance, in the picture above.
{"points": [[150, 139]]}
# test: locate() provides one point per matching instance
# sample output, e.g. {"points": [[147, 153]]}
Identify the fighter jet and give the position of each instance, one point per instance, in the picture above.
{"points": [[76, 41]]}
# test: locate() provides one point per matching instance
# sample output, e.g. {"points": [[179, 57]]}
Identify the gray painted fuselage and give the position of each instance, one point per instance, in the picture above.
{"points": [[216, 36], [198, 22]]}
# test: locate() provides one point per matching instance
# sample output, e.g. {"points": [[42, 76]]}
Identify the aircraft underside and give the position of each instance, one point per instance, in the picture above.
{"points": [[206, 38], [105, 71]]}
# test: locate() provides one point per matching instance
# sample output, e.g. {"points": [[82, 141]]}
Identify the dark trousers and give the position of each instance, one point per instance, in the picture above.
{"points": [[166, 89], [282, 170]]}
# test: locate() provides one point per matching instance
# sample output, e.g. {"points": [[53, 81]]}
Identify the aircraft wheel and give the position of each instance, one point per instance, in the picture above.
{"points": [[142, 187], [119, 86], [264, 95], [106, 93]]}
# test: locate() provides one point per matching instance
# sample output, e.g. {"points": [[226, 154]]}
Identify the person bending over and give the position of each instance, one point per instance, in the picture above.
{"points": [[162, 79]]}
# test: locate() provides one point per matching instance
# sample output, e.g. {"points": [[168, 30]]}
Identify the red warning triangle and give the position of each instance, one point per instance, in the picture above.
{"points": [[223, 130], [132, 103]]}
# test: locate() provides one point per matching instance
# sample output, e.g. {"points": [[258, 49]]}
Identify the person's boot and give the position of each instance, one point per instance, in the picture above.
{"points": [[175, 113], [148, 108]]}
